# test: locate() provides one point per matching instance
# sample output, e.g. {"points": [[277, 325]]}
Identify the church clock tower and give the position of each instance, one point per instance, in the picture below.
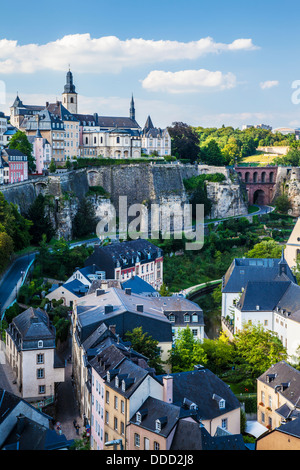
{"points": [[69, 96]]}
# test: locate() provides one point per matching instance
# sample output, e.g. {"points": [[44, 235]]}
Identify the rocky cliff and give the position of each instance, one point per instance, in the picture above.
{"points": [[140, 183]]}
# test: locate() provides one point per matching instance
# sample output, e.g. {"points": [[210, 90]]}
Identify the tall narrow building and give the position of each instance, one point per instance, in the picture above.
{"points": [[69, 95]]}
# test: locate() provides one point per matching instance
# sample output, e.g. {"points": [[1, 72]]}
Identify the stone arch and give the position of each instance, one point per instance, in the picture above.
{"points": [[259, 197], [92, 176], [40, 187]]}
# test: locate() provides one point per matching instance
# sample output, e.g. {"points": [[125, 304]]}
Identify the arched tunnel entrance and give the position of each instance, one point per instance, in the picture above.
{"points": [[259, 197]]}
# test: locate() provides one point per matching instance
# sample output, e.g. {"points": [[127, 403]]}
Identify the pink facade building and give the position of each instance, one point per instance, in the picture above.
{"points": [[17, 163]]}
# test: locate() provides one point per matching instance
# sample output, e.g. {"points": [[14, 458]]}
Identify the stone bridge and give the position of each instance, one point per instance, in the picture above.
{"points": [[260, 183]]}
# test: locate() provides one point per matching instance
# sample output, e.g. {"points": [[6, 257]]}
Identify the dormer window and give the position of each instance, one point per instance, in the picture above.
{"points": [[186, 318], [108, 376], [195, 317], [138, 417], [222, 404], [172, 317], [117, 381], [40, 344], [157, 425], [123, 386], [193, 406]]}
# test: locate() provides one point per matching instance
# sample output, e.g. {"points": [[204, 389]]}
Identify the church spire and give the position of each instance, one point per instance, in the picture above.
{"points": [[132, 109], [69, 86]]}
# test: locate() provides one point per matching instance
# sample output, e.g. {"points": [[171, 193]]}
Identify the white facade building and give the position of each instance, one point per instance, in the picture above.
{"points": [[31, 353]]}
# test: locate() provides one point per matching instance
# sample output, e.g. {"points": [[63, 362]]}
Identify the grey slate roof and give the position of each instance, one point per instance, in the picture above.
{"points": [[33, 325], [291, 427], [285, 379], [76, 287], [34, 436], [264, 295], [9, 401], [153, 409], [190, 436], [199, 387], [139, 286], [243, 270], [114, 122]]}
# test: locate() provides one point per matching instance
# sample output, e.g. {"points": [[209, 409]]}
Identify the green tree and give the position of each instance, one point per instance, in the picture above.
{"points": [[41, 222], [185, 142], [212, 154], [84, 222], [52, 166], [6, 249], [282, 204], [164, 291], [258, 349], [144, 344], [186, 352], [19, 141], [220, 353], [265, 249]]}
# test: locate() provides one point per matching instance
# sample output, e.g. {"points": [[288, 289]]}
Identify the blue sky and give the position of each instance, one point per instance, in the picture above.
{"points": [[158, 51]]}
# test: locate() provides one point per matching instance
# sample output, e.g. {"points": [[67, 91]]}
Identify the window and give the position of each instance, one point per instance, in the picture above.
{"points": [[270, 401], [107, 397], [42, 389], [156, 445], [122, 407], [222, 404], [263, 397], [116, 403], [146, 443], [224, 423], [40, 358], [106, 417], [157, 425], [172, 317], [194, 317], [138, 417], [115, 424], [186, 318], [40, 373], [40, 344], [195, 332], [122, 428], [137, 440]]}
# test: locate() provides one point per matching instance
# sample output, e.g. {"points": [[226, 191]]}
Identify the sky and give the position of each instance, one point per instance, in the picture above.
{"points": [[203, 63]]}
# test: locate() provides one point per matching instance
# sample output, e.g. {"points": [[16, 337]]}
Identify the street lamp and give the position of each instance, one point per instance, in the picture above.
{"points": [[115, 443]]}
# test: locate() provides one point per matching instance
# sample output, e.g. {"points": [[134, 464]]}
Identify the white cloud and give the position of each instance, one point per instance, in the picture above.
{"points": [[268, 84], [105, 54], [188, 81]]}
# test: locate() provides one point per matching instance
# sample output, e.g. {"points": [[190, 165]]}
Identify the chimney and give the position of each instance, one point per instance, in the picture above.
{"points": [[20, 424], [108, 309], [168, 389], [128, 290], [112, 328], [99, 292]]}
